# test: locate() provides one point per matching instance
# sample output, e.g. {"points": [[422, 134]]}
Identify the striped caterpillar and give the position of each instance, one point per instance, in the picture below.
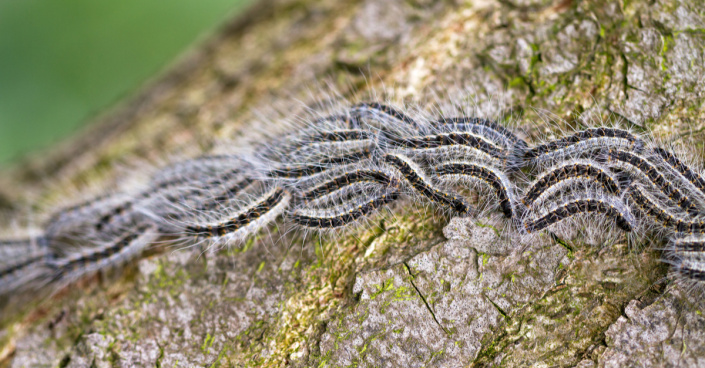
{"points": [[339, 169]]}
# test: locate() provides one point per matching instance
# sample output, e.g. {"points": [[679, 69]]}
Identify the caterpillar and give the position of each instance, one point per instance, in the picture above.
{"points": [[582, 143], [227, 194], [689, 244], [686, 254], [312, 145], [193, 169], [348, 121], [97, 258], [21, 262], [417, 179], [491, 176], [378, 110], [650, 207], [345, 180], [197, 194], [242, 223], [608, 206], [343, 215], [452, 139], [299, 171], [86, 218], [681, 168], [483, 127], [574, 169], [340, 168], [641, 167]]}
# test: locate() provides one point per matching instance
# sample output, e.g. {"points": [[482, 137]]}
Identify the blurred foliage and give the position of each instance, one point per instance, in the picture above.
{"points": [[63, 61]]}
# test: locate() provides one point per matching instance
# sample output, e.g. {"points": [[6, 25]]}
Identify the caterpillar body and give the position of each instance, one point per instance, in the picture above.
{"points": [[492, 177], [335, 170], [343, 215], [609, 206], [420, 183], [557, 176], [584, 143]]}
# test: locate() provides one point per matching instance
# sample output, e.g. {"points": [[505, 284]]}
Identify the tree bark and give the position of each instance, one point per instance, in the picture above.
{"points": [[425, 291]]}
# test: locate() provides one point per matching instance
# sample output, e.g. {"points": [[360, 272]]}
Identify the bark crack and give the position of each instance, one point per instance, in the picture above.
{"points": [[499, 309], [423, 298]]}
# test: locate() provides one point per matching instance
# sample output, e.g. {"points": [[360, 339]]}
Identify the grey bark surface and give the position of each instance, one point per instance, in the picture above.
{"points": [[424, 291]]}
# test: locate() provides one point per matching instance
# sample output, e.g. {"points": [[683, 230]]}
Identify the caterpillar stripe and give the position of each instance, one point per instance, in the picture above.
{"points": [[689, 244], [347, 216], [18, 271], [198, 191], [681, 168], [121, 250], [312, 144], [655, 177], [25, 262], [188, 201], [486, 128], [67, 213], [494, 178], [338, 136], [648, 206], [580, 169], [687, 255], [612, 209], [232, 191], [450, 139], [24, 243], [375, 109], [271, 200], [346, 180], [586, 140], [117, 211], [691, 272], [13, 249], [121, 208], [320, 152], [300, 171], [96, 213], [413, 175], [197, 187]]}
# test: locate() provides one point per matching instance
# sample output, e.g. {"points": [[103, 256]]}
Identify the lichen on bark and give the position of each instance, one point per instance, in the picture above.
{"points": [[415, 289]]}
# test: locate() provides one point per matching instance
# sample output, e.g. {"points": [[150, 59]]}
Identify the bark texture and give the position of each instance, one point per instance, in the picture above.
{"points": [[425, 291]]}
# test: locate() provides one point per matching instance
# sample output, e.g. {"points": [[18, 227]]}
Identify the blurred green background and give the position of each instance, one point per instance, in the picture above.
{"points": [[64, 61]]}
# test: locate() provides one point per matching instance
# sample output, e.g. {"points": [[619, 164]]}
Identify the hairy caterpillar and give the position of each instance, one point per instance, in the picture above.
{"points": [[109, 254], [451, 139], [491, 176], [346, 180], [681, 168], [483, 127], [338, 169], [514, 147], [578, 169], [244, 222], [22, 260], [649, 206], [378, 110], [686, 254], [583, 143], [299, 171], [609, 206], [419, 181], [343, 215], [642, 168]]}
